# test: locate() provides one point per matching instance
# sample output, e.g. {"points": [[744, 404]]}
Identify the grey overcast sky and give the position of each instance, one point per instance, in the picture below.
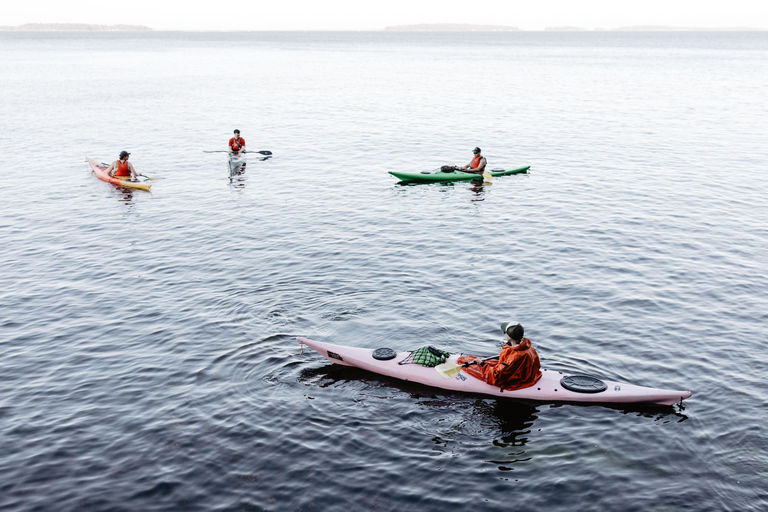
{"points": [[375, 15]]}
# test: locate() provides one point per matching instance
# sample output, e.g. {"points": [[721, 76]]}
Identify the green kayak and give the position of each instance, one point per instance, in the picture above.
{"points": [[438, 175]]}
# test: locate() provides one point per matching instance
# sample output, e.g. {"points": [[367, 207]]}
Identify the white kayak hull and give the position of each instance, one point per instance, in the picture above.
{"points": [[236, 162], [546, 389]]}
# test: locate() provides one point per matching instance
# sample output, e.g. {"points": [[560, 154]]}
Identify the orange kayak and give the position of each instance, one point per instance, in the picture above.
{"points": [[100, 169]]}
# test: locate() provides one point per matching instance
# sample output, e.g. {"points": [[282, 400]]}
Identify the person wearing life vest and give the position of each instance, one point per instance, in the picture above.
{"points": [[122, 167], [236, 143], [477, 165], [517, 366]]}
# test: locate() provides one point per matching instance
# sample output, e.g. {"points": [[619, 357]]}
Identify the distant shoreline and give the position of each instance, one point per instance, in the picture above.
{"points": [[74, 27]]}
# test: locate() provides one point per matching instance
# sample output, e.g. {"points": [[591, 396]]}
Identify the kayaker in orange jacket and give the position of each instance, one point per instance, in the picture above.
{"points": [[518, 364], [236, 143], [122, 167], [477, 164]]}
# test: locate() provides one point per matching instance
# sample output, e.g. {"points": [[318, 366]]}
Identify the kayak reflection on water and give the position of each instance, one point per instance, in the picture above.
{"points": [[514, 420], [237, 179], [478, 189], [237, 176]]}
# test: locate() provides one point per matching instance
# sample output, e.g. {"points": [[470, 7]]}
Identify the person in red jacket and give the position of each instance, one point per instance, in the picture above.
{"points": [[477, 164], [517, 367], [237, 143], [122, 167]]}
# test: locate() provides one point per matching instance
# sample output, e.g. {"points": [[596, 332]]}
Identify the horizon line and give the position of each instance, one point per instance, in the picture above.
{"points": [[419, 27]]}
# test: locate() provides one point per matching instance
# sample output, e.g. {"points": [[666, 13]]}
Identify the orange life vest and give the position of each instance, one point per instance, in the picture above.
{"points": [[476, 161], [518, 367], [121, 169]]}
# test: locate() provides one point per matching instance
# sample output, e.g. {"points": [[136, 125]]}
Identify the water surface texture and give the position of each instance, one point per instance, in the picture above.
{"points": [[148, 358]]}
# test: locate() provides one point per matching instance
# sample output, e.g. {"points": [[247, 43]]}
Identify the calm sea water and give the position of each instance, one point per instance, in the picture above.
{"points": [[147, 340]]}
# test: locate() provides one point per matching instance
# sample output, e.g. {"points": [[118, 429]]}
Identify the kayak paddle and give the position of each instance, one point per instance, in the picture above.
{"points": [[450, 370], [486, 175], [244, 151], [137, 174]]}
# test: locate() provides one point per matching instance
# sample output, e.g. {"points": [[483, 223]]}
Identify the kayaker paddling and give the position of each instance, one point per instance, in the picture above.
{"points": [[122, 167], [517, 366], [237, 143], [477, 165]]}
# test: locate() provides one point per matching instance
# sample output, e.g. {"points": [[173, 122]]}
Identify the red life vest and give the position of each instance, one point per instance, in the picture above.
{"points": [[121, 169], [521, 367], [236, 143], [476, 161]]}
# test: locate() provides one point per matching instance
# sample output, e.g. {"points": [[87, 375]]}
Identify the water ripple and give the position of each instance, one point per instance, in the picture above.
{"points": [[148, 339]]}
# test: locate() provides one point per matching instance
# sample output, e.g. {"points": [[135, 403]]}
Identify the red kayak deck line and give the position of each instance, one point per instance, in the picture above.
{"points": [[546, 389], [100, 170]]}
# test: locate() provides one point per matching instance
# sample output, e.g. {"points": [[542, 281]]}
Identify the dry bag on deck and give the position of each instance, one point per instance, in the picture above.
{"points": [[426, 356]]}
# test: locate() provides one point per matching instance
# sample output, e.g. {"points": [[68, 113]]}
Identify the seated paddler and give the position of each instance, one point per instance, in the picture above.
{"points": [[122, 168], [477, 164], [236, 143], [516, 367]]}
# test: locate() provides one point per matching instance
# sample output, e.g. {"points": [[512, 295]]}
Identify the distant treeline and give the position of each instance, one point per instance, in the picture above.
{"points": [[81, 27]]}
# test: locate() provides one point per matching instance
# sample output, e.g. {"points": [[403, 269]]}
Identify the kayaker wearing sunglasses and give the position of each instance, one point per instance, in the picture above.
{"points": [[236, 143], [517, 366], [122, 167], [477, 165]]}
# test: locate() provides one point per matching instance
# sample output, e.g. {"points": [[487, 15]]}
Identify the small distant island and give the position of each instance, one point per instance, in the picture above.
{"points": [[450, 27], [75, 27]]}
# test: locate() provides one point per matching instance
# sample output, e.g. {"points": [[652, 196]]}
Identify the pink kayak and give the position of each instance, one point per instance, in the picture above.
{"points": [[551, 387]]}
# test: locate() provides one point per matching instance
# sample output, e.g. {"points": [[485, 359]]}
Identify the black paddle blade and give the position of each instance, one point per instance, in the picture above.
{"points": [[262, 152]]}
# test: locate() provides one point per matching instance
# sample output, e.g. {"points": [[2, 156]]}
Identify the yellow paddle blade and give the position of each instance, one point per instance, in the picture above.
{"points": [[448, 370]]}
